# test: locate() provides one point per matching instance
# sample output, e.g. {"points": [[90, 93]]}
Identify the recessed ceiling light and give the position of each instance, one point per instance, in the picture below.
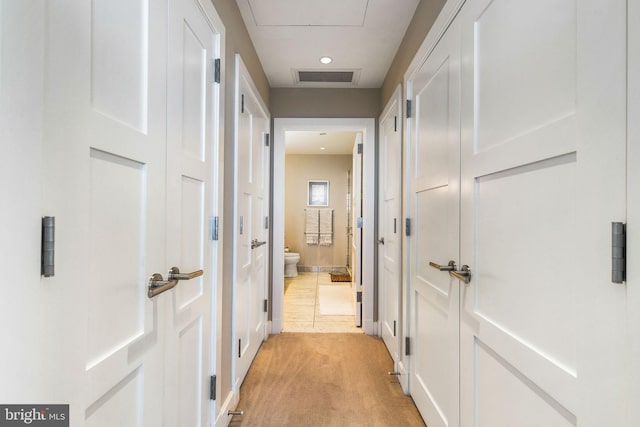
{"points": [[326, 60], [322, 148]]}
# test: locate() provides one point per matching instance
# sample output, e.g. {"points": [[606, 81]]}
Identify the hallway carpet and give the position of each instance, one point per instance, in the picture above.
{"points": [[331, 380]]}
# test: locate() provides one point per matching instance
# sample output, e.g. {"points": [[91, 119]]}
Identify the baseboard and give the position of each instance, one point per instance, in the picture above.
{"points": [[223, 418], [403, 378]]}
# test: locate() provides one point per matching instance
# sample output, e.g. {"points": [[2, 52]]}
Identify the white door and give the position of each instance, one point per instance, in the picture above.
{"points": [[192, 142], [433, 192], [356, 226], [543, 176], [106, 149], [390, 225], [250, 222]]}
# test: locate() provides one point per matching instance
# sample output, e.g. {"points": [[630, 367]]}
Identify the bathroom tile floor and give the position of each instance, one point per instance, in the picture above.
{"points": [[302, 306]]}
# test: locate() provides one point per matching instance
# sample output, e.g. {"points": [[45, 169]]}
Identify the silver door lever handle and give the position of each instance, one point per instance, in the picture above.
{"points": [[451, 266], [255, 243], [464, 274], [158, 285], [174, 274]]}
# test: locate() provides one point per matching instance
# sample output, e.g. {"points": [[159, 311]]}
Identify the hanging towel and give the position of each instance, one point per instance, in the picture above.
{"points": [[326, 227], [311, 229]]}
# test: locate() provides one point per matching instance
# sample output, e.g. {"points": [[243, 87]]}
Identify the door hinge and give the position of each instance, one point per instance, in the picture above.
{"points": [[215, 221], [407, 346], [395, 123], [216, 70], [242, 104], [266, 306], [212, 388], [394, 328], [239, 347], [266, 222], [360, 148], [408, 108], [359, 297], [241, 224], [395, 223], [618, 252], [266, 139], [359, 222], [48, 246], [407, 227]]}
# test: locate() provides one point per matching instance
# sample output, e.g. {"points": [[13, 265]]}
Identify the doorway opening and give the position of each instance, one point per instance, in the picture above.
{"points": [[322, 252]]}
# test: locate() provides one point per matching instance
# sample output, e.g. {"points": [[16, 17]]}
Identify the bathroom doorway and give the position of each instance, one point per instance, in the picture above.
{"points": [[319, 295], [288, 229]]}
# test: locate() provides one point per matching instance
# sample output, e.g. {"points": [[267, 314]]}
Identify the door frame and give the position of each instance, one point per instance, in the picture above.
{"points": [[280, 127]]}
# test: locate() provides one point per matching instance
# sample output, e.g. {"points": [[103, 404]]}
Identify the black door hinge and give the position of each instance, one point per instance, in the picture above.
{"points": [[395, 123], [360, 148], [216, 70], [239, 347], [407, 346], [212, 388], [266, 306], [242, 104], [266, 139], [407, 227], [215, 225], [408, 108], [618, 252], [394, 328], [48, 248]]}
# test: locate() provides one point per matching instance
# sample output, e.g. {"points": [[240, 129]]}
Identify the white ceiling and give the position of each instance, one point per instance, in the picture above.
{"points": [[334, 142], [360, 35]]}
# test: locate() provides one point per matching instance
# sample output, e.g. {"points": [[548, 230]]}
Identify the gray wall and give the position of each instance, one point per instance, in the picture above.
{"points": [[424, 17], [325, 103]]}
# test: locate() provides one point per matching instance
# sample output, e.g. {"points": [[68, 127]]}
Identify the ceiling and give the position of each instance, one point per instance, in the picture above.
{"points": [[362, 37], [319, 143]]}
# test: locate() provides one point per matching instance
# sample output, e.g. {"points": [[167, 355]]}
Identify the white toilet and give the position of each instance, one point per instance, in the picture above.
{"points": [[290, 263]]}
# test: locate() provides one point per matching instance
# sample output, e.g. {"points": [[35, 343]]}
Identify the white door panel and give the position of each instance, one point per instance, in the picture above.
{"points": [[542, 179], [106, 150], [390, 226], [251, 233], [433, 162], [192, 142]]}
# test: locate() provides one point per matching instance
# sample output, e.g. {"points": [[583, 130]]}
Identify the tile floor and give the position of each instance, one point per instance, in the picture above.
{"points": [[302, 306]]}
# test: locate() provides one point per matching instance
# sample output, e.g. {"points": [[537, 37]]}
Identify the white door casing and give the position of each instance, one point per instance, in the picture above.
{"points": [[433, 162], [633, 211], [193, 145], [250, 228], [390, 226], [543, 176], [357, 220], [281, 126]]}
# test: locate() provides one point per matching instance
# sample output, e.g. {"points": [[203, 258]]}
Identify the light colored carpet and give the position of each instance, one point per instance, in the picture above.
{"points": [[315, 380], [336, 300]]}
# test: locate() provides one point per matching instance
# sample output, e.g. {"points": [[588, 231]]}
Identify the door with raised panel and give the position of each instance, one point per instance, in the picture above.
{"points": [[105, 121], [433, 205], [192, 146], [543, 177], [390, 225], [250, 222]]}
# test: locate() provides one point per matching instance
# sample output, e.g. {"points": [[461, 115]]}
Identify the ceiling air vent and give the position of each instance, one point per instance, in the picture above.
{"points": [[325, 76]]}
